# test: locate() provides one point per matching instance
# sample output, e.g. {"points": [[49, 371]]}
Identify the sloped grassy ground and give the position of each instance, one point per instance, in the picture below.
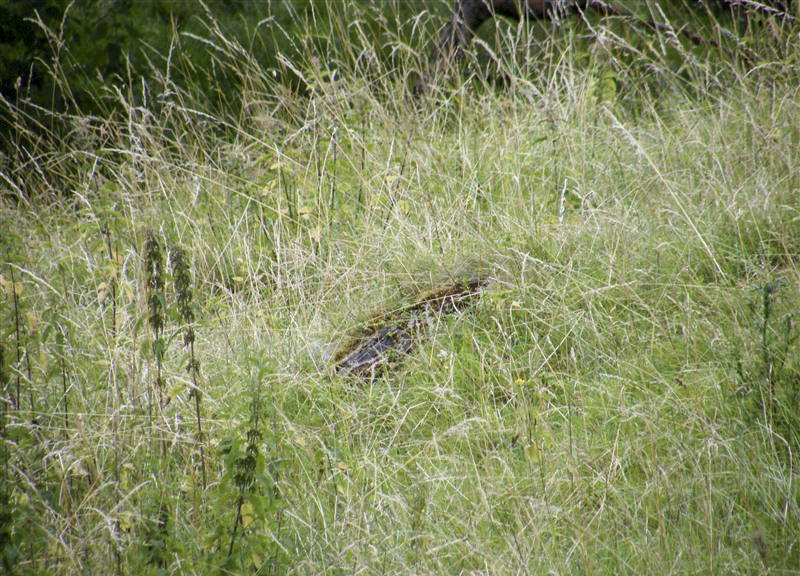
{"points": [[623, 398]]}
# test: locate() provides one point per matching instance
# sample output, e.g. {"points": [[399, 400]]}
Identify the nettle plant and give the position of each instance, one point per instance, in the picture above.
{"points": [[769, 369], [182, 281], [156, 307], [248, 506]]}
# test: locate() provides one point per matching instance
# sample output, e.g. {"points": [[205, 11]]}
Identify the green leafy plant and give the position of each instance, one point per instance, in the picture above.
{"points": [[14, 289], [158, 545], [182, 279], [771, 375], [157, 315], [9, 544], [249, 497]]}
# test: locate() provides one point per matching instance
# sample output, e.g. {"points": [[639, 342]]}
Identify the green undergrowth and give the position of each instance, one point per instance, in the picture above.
{"points": [[623, 397]]}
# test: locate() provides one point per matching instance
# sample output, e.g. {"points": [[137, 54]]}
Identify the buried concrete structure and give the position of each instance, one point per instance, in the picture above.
{"points": [[391, 335]]}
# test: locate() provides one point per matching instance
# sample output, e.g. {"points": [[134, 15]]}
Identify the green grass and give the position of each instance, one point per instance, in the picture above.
{"points": [[622, 399]]}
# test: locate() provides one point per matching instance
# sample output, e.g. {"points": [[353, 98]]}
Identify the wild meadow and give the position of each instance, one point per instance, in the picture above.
{"points": [[623, 397]]}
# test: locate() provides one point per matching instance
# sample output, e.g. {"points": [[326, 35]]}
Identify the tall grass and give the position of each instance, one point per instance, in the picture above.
{"points": [[622, 398]]}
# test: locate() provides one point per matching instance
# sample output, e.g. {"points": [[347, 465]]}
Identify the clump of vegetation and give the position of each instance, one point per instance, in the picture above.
{"points": [[768, 364], [248, 506], [622, 396], [157, 537], [157, 319], [184, 294]]}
